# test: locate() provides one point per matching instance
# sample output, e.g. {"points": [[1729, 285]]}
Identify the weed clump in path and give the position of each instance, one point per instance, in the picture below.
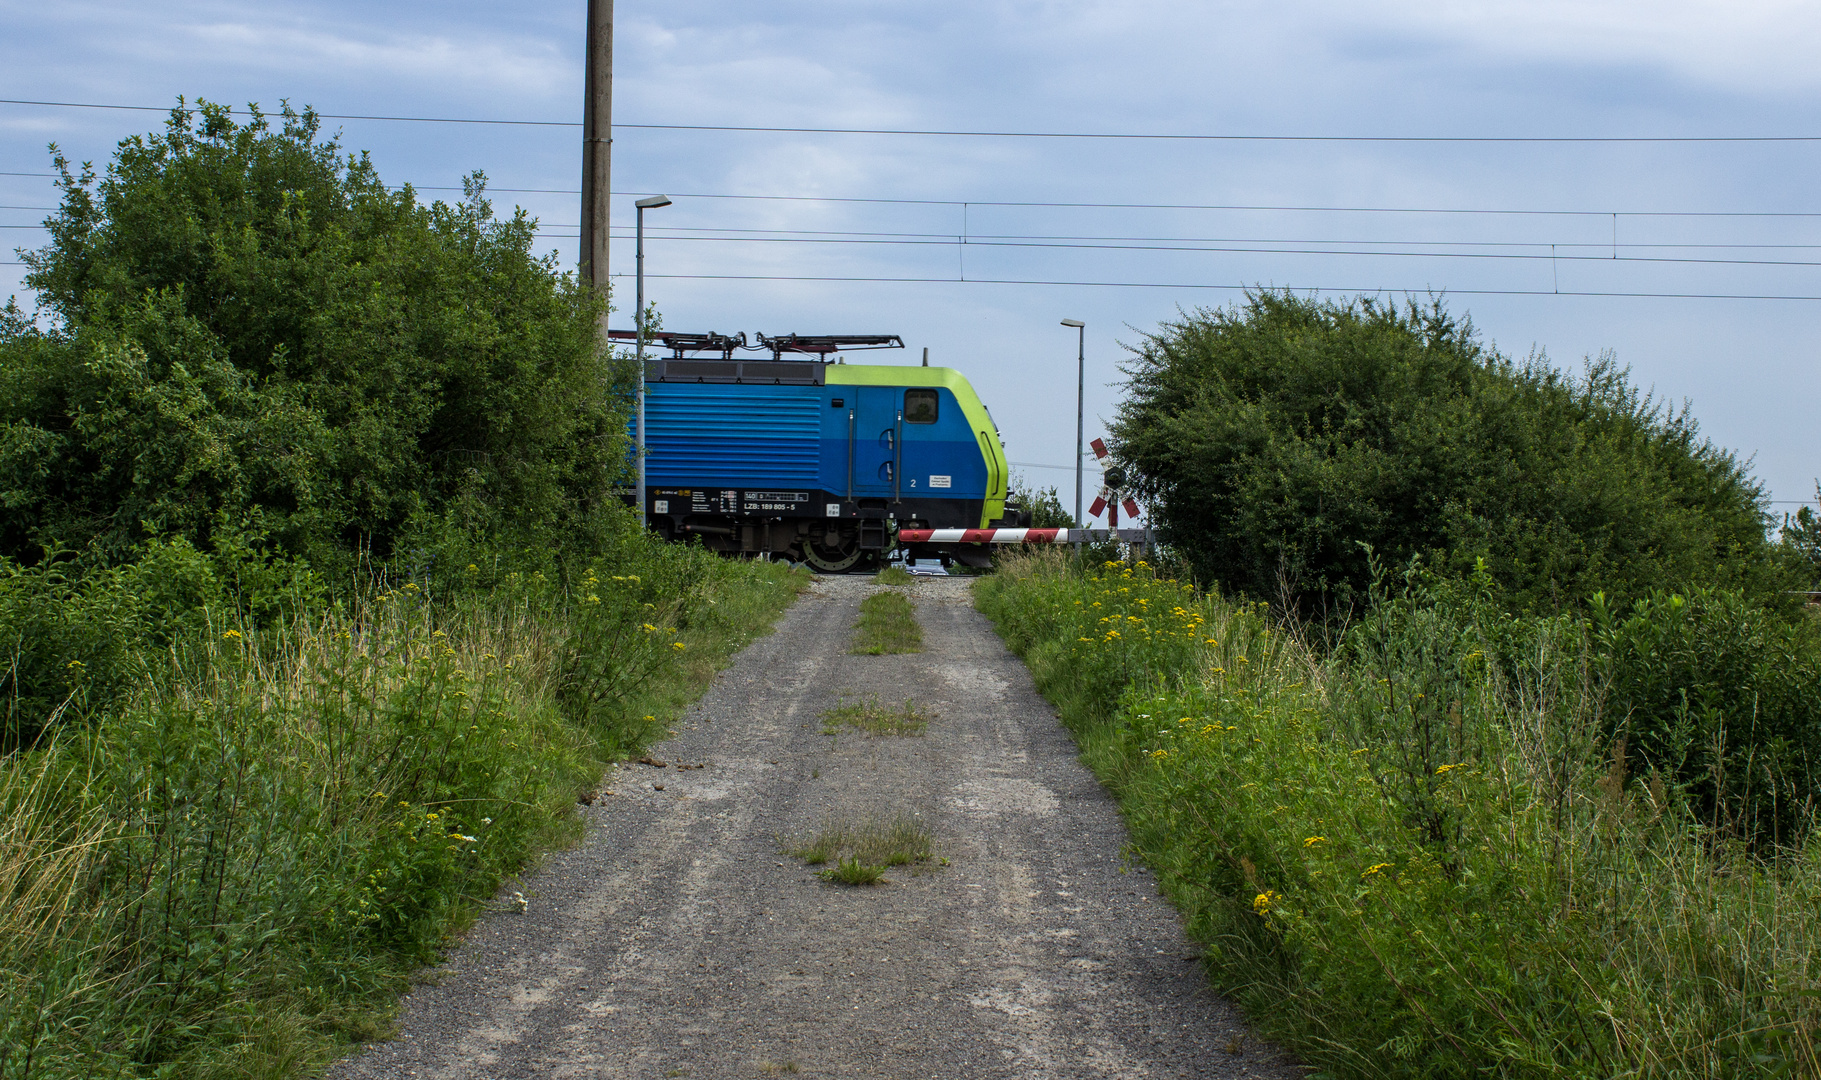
{"points": [[876, 719], [888, 624], [894, 575], [860, 852]]}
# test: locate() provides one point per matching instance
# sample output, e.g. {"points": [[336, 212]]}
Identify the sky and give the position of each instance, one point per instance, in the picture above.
{"points": [[1550, 246]]}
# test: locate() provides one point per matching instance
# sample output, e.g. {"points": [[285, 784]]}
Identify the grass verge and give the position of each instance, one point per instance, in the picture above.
{"points": [[888, 624], [1421, 856], [236, 870], [876, 719], [859, 852]]}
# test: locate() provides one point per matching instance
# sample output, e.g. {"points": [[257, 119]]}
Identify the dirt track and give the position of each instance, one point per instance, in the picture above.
{"points": [[679, 941]]}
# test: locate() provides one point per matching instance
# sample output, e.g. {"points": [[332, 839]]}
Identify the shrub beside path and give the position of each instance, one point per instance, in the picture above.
{"points": [[679, 940]]}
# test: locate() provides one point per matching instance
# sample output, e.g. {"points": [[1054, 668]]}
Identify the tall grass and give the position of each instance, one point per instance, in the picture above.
{"points": [[235, 872], [1423, 854]]}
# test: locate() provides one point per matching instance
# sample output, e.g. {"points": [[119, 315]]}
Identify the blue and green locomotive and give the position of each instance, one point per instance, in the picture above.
{"points": [[818, 461]]}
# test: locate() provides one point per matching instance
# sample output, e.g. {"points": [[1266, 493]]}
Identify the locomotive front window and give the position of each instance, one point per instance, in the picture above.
{"points": [[919, 406]]}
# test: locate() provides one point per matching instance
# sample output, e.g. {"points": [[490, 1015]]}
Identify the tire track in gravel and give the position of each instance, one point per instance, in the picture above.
{"points": [[679, 941]]}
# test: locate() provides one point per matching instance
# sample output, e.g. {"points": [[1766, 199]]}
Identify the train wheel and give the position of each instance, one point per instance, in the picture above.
{"points": [[830, 560]]}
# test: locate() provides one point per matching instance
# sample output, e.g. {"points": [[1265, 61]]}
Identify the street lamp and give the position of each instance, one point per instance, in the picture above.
{"points": [[643, 205], [1081, 376]]}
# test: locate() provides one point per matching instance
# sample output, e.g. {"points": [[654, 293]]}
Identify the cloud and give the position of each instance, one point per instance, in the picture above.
{"points": [[523, 68], [1752, 46]]}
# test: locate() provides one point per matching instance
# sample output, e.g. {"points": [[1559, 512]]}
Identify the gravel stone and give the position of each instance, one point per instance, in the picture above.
{"points": [[677, 941]]}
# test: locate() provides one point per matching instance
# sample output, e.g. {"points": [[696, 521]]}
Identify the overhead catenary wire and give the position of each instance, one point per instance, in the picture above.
{"points": [[1372, 290], [1239, 250], [1045, 465], [779, 129], [1207, 246], [1468, 249], [1188, 246], [1258, 207], [1351, 290], [1085, 205], [680, 231]]}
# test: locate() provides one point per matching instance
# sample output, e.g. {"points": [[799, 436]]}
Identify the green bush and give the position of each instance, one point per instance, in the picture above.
{"points": [[1280, 445], [75, 645], [1800, 545], [1043, 504], [1421, 855], [244, 318], [1718, 695]]}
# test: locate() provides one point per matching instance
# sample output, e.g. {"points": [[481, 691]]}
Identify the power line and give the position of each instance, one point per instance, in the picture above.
{"points": [[1358, 290], [971, 242], [1064, 205], [1538, 249], [1005, 134], [1373, 290], [1240, 247], [1041, 465], [959, 203], [675, 231]]}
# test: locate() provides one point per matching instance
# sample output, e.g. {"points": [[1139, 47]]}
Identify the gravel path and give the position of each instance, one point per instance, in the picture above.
{"points": [[679, 941]]}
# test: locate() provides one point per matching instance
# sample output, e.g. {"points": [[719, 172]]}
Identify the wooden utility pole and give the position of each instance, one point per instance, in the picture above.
{"points": [[597, 146]]}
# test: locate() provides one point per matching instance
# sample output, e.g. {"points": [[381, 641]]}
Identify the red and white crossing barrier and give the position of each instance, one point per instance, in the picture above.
{"points": [[1017, 536]]}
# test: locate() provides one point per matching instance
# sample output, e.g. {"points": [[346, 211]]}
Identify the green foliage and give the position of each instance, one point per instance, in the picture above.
{"points": [[247, 319], [76, 644], [1801, 544], [1718, 695], [1423, 855], [248, 851], [1280, 444], [1043, 504]]}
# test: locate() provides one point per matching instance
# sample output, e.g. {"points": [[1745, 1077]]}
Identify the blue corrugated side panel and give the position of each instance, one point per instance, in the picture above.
{"points": [[745, 436]]}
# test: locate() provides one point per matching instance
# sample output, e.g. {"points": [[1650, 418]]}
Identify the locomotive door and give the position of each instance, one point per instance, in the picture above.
{"points": [[876, 438]]}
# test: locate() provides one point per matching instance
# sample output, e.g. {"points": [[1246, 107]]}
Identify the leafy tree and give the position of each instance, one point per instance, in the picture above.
{"points": [[1801, 544], [1282, 444], [242, 317], [1043, 504]]}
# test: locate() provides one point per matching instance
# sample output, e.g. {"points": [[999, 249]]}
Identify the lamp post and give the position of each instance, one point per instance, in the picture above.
{"points": [[1081, 377], [643, 205]]}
